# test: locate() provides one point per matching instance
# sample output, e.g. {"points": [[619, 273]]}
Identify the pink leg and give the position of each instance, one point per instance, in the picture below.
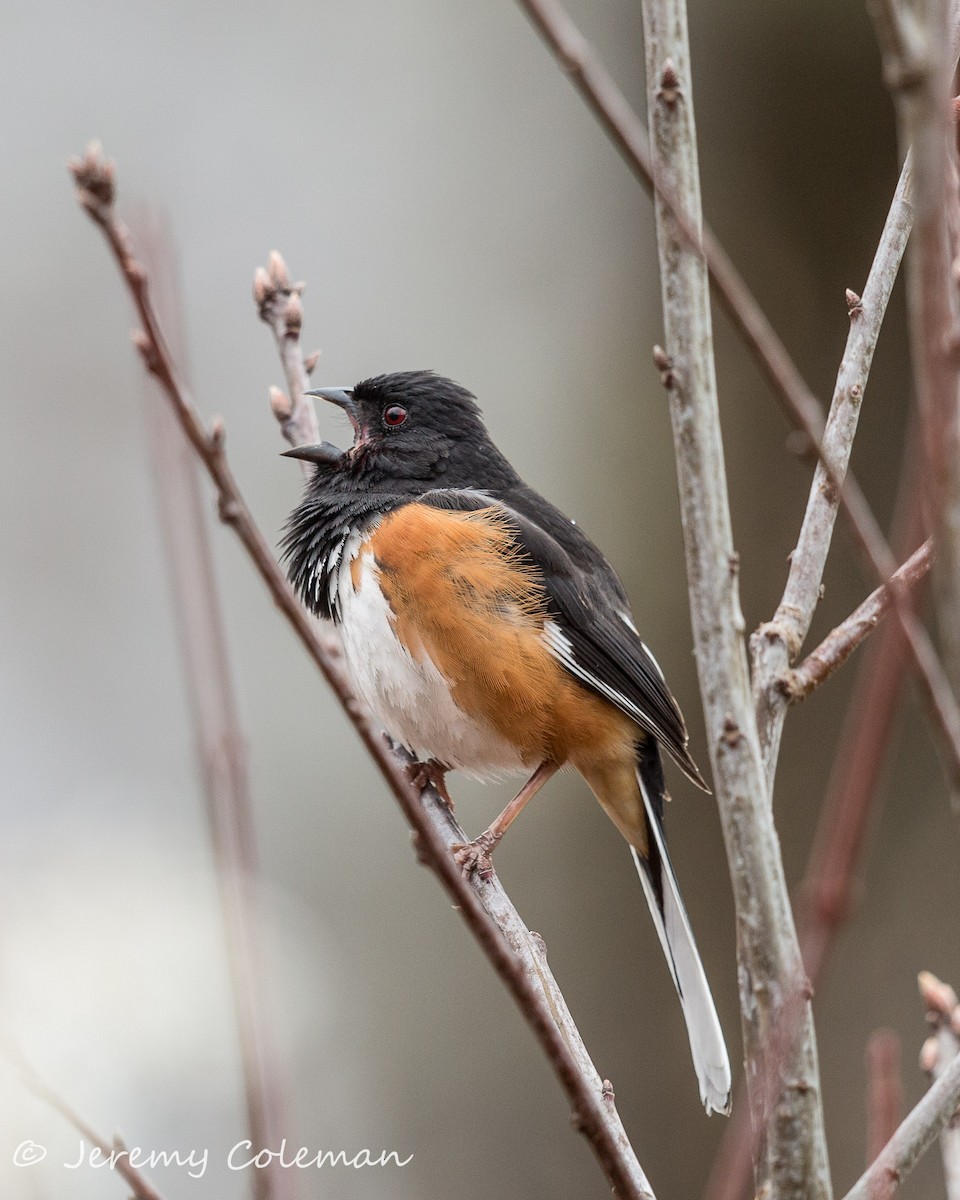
{"points": [[475, 855]]}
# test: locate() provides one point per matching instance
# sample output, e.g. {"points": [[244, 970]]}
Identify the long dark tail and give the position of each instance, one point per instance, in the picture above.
{"points": [[676, 937]]}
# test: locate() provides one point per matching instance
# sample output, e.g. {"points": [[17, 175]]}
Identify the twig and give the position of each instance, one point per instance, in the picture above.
{"points": [[511, 949], [917, 68], [115, 1151], [884, 1090], [279, 306], [770, 968], [220, 745], [841, 642], [914, 1136], [939, 1050], [778, 642]]}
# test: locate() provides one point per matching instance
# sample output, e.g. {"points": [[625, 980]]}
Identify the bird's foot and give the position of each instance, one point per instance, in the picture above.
{"points": [[475, 855], [430, 774]]}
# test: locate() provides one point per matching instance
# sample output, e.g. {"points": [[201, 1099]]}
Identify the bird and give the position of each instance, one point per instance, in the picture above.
{"points": [[486, 633]]}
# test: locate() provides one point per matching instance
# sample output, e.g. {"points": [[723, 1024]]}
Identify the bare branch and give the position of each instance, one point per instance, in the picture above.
{"points": [[841, 642], [918, 70], [778, 642], [115, 1150], [939, 1050], [279, 305], [771, 974], [515, 954], [826, 897], [221, 745], [915, 1135], [884, 1090]]}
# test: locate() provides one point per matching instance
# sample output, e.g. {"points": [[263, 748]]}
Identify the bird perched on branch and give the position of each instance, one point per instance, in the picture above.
{"points": [[487, 633]]}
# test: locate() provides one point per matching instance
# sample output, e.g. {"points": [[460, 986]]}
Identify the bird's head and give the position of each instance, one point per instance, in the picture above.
{"points": [[412, 429]]}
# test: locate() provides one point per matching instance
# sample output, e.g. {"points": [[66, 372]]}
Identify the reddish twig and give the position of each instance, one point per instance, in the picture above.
{"points": [[918, 70], [221, 747], [841, 642], [484, 906], [884, 1090]]}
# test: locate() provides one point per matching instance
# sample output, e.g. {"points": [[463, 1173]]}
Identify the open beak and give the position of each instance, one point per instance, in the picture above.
{"points": [[322, 452], [342, 398]]}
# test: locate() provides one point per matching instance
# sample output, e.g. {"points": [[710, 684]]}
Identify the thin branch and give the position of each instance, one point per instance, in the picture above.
{"points": [[826, 897], [918, 70], [221, 745], [884, 1090], [770, 968], [939, 1050], [279, 306], [778, 642], [515, 954], [841, 642], [115, 1151], [915, 1135]]}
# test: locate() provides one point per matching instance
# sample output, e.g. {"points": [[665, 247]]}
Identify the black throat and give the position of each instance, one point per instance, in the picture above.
{"points": [[315, 537]]}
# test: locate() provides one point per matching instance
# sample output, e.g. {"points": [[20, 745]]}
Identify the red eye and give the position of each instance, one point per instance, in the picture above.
{"points": [[394, 415]]}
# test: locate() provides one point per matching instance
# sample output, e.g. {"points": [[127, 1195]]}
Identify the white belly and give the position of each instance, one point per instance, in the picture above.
{"points": [[408, 696]]}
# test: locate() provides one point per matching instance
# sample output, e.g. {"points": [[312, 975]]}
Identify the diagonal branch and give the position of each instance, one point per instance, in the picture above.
{"points": [[116, 1152], [778, 642], [513, 951], [783, 1079], [914, 1136], [841, 642]]}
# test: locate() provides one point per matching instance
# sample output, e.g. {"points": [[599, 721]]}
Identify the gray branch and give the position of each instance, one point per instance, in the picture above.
{"points": [[783, 1079]]}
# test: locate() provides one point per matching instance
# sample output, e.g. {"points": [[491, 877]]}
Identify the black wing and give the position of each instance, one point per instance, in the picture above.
{"points": [[590, 630]]}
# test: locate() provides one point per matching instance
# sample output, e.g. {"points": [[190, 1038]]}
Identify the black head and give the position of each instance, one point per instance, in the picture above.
{"points": [[413, 431]]}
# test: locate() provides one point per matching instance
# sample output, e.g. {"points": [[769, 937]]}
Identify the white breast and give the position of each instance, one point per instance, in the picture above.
{"points": [[408, 696]]}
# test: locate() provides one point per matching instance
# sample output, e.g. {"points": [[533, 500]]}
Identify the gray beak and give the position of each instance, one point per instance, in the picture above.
{"points": [[323, 452], [342, 398]]}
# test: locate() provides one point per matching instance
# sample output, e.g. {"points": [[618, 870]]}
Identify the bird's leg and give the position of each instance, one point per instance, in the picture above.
{"points": [[475, 855], [430, 774]]}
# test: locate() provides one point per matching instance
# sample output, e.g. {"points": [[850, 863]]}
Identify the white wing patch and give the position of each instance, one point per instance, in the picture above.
{"points": [[561, 648]]}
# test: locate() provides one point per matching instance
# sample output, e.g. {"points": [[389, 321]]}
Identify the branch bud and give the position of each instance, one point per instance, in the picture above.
{"points": [[854, 303], [262, 287], [280, 404], [277, 268], [310, 362], [293, 315]]}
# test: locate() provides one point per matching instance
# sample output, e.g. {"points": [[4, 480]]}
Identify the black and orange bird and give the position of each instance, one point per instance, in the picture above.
{"points": [[487, 634]]}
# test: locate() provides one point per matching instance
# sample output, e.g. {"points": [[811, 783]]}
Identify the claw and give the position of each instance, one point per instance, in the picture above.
{"points": [[430, 774]]}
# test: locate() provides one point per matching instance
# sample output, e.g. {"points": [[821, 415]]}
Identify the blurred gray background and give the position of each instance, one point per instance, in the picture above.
{"points": [[430, 172]]}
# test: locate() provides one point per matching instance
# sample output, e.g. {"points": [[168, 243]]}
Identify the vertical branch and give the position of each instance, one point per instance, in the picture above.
{"points": [[221, 746], [770, 968], [884, 1090], [825, 897], [918, 70]]}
